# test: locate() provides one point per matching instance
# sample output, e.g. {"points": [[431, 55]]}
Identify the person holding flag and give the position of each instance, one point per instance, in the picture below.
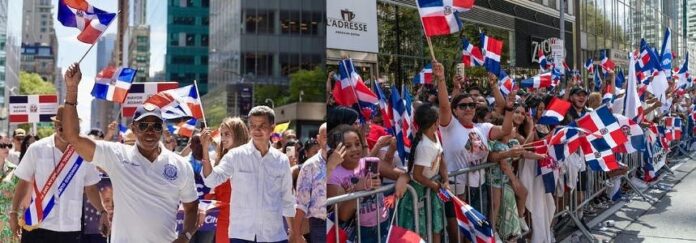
{"points": [[55, 211], [466, 142], [147, 199]]}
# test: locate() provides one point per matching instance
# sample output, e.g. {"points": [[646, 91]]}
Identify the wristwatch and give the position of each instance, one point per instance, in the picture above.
{"points": [[187, 235]]}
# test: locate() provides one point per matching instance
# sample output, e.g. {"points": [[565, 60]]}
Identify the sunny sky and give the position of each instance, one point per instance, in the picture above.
{"points": [[70, 49]]}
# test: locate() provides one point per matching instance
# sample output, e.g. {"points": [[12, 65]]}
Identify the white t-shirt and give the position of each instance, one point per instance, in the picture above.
{"points": [[397, 163], [428, 155], [13, 156], [38, 163], [146, 194], [465, 147]]}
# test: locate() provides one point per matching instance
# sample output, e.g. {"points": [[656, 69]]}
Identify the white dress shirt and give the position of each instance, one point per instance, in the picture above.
{"points": [[146, 194], [261, 194], [38, 163]]}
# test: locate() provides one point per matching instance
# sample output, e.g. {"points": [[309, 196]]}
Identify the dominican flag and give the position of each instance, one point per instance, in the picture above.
{"points": [[403, 235], [632, 105], [350, 90], [493, 50], [473, 225], [606, 63], [683, 73], [649, 172], [506, 84], [547, 170], [471, 55], [443, 195], [32, 108], [178, 103], [619, 80], [402, 123], [112, 84], [122, 132], [565, 141], [636, 139], [589, 66], [543, 63], [543, 80], [597, 81], [384, 107], [140, 92], [555, 112], [666, 52], [440, 17], [425, 76], [334, 233], [607, 134], [91, 21], [186, 129], [608, 97], [673, 126]]}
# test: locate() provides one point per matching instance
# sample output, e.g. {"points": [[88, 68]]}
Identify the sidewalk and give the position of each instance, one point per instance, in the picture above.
{"points": [[670, 218]]}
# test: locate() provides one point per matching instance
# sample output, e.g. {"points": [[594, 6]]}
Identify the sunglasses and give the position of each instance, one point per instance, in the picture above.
{"points": [[146, 126], [5, 145], [464, 106]]}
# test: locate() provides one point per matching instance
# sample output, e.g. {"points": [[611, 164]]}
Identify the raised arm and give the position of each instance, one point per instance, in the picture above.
{"points": [[71, 125], [498, 132], [495, 90], [442, 96]]}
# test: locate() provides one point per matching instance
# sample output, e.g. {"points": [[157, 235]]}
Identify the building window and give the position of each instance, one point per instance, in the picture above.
{"points": [[204, 40], [205, 3], [289, 63], [190, 39], [184, 20], [305, 23], [259, 64], [204, 60], [259, 21], [173, 39], [205, 20], [290, 22], [182, 60], [43, 29]]}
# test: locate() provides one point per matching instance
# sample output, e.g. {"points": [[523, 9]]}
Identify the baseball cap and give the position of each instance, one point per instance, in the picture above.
{"points": [[19, 132], [576, 90], [146, 110]]}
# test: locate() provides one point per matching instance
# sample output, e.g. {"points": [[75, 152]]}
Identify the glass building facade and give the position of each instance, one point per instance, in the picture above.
{"points": [[187, 42], [619, 25], [264, 41], [10, 53]]}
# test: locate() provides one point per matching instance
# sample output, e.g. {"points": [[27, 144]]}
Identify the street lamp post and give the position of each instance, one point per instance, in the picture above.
{"points": [[301, 94]]}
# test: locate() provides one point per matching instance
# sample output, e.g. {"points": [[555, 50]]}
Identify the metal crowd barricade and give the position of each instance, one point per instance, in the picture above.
{"points": [[357, 196]]}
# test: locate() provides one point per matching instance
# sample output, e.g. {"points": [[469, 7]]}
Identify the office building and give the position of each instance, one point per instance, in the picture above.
{"points": [[186, 59]]}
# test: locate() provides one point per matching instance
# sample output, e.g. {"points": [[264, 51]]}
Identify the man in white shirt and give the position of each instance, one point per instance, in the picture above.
{"points": [[149, 181], [62, 224], [261, 182]]}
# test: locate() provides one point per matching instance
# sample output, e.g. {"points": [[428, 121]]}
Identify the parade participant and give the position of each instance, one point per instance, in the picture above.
{"points": [[50, 162], [8, 182], [198, 151], [262, 183], [233, 133], [17, 137], [149, 182]]}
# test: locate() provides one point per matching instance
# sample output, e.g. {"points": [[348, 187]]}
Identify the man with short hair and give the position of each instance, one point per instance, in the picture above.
{"points": [[149, 182], [260, 175], [57, 176]]}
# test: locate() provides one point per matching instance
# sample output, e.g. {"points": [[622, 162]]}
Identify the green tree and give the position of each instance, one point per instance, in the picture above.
{"points": [[33, 84], [311, 82]]}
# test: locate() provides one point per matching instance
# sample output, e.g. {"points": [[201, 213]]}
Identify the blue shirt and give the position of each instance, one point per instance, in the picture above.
{"points": [[198, 179]]}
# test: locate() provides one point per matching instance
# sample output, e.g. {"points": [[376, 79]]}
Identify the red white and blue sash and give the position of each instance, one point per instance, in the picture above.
{"points": [[40, 205]]}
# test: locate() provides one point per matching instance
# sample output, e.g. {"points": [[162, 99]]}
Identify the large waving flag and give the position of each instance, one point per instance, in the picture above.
{"points": [[632, 105], [666, 52], [112, 84], [91, 21], [543, 80], [471, 55], [493, 50], [178, 103], [555, 112], [350, 90], [425, 76], [473, 225], [440, 17], [636, 140], [607, 134]]}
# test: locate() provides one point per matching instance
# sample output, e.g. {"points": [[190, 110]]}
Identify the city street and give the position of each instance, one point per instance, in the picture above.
{"points": [[670, 219]]}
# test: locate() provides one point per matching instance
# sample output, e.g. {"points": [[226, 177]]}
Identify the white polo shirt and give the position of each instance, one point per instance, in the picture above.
{"points": [[146, 194], [38, 163], [261, 194]]}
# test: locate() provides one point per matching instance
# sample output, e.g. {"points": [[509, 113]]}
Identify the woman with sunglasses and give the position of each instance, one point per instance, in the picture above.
{"points": [[466, 142], [7, 186]]}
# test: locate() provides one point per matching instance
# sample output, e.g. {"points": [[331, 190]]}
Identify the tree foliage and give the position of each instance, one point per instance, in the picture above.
{"points": [[33, 84], [310, 82]]}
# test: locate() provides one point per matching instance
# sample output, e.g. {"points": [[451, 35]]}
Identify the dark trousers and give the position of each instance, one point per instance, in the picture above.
{"points": [[93, 238], [233, 240], [43, 235], [317, 230]]}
